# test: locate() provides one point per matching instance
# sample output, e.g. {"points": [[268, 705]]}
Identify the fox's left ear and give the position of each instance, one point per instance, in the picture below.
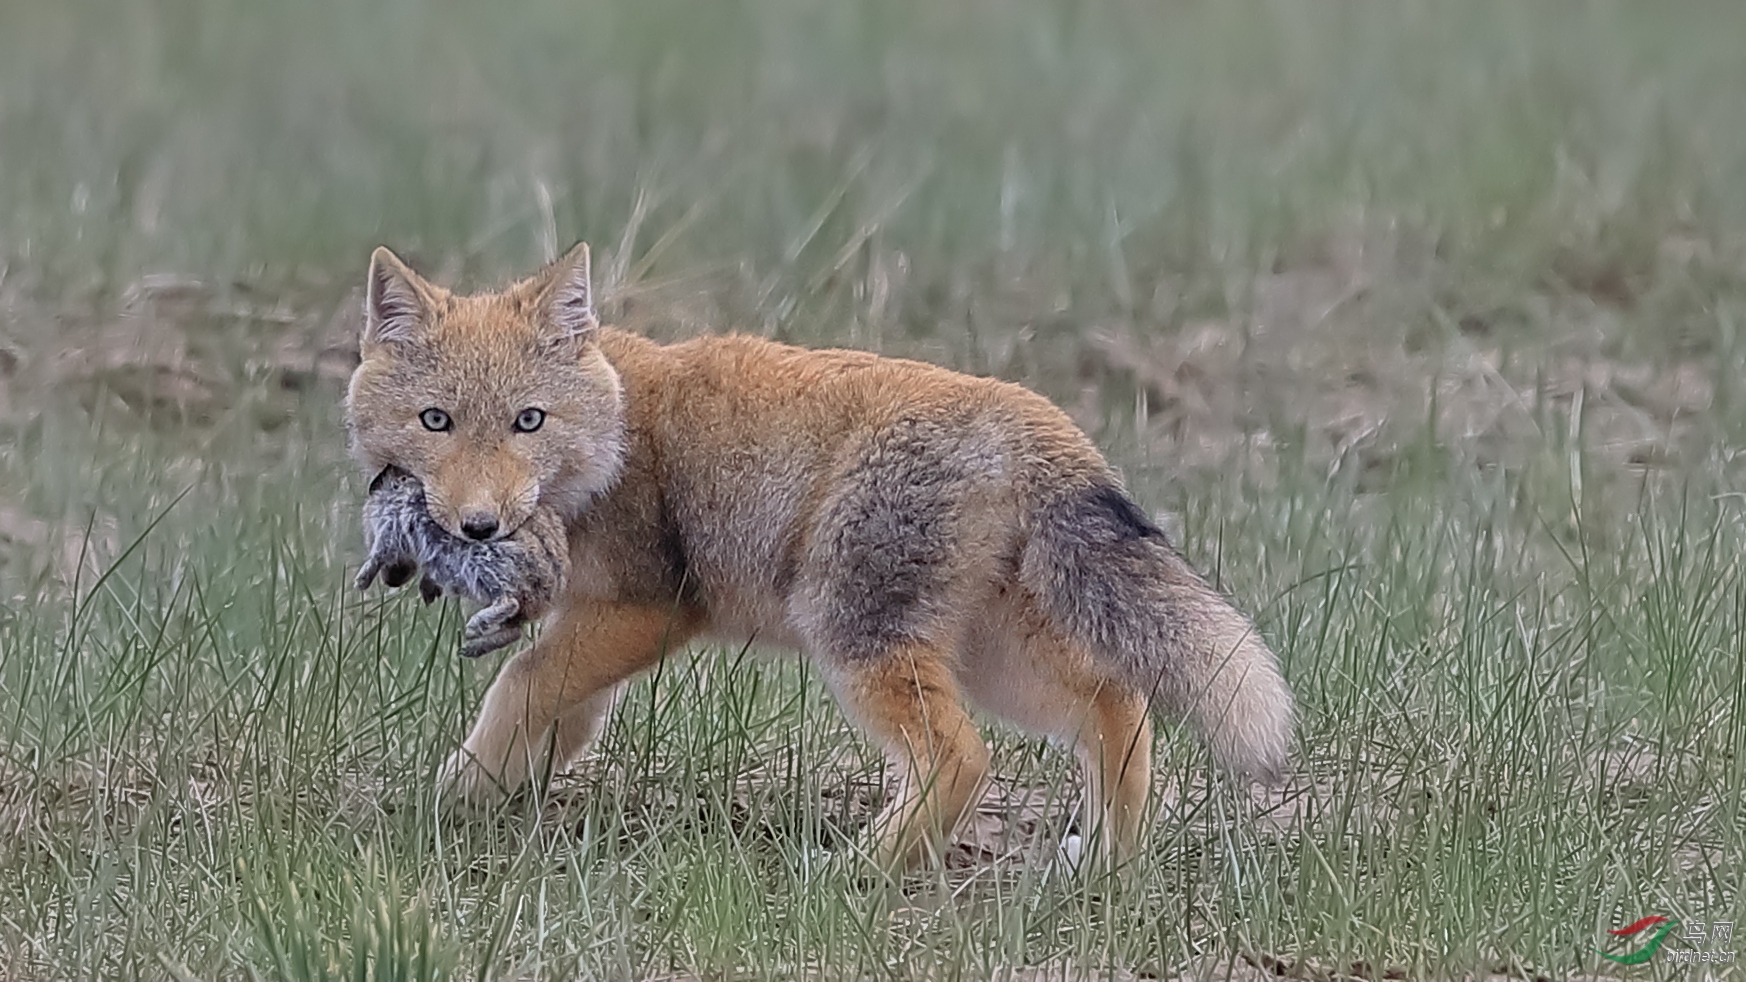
{"points": [[568, 297], [396, 300]]}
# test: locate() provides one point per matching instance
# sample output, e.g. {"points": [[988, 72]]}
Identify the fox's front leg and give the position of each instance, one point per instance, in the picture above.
{"points": [[547, 702]]}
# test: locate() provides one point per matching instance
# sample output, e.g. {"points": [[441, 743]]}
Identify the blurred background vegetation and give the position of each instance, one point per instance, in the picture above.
{"points": [[991, 184]]}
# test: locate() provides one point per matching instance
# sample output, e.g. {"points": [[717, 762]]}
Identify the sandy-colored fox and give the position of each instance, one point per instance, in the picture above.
{"points": [[923, 536]]}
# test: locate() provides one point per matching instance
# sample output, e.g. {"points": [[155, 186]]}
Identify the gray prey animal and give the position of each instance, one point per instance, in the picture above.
{"points": [[515, 578]]}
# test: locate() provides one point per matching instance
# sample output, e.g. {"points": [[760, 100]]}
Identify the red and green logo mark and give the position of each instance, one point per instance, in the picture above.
{"points": [[1661, 925]]}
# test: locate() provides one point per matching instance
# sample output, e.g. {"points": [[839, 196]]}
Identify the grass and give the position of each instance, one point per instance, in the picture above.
{"points": [[1417, 324]]}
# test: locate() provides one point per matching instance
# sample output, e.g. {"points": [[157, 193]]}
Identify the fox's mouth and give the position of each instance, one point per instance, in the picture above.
{"points": [[503, 532], [382, 477]]}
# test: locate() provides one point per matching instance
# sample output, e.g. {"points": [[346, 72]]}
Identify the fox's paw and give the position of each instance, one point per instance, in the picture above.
{"points": [[1071, 856], [466, 783]]}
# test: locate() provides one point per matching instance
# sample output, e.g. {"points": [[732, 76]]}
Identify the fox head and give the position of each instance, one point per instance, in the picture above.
{"points": [[495, 402]]}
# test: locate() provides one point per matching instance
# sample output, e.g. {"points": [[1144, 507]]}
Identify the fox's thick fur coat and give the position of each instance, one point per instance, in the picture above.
{"points": [[929, 539]]}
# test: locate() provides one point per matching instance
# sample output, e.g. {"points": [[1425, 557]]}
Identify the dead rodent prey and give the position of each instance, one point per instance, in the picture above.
{"points": [[514, 578]]}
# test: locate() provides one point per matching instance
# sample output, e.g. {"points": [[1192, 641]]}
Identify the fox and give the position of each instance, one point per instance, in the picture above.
{"points": [[933, 543], [515, 579]]}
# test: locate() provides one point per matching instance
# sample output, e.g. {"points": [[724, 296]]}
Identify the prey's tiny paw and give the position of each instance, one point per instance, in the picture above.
{"points": [[475, 645], [393, 574], [506, 612], [397, 573]]}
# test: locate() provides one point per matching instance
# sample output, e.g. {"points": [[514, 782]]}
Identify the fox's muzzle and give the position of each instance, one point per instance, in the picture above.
{"points": [[479, 525]]}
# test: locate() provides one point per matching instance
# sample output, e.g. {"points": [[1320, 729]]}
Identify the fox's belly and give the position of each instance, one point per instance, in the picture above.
{"points": [[728, 559], [750, 616]]}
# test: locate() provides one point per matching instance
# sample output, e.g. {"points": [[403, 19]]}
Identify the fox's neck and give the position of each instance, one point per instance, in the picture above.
{"points": [[602, 474], [599, 470]]}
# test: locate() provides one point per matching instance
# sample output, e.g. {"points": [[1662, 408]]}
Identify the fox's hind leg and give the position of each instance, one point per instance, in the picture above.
{"points": [[1114, 748], [546, 703], [907, 700], [896, 560], [1020, 667]]}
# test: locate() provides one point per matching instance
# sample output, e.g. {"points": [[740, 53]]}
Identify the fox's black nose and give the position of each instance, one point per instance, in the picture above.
{"points": [[479, 527]]}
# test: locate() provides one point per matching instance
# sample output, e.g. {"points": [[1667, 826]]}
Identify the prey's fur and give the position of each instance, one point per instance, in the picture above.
{"points": [[515, 579]]}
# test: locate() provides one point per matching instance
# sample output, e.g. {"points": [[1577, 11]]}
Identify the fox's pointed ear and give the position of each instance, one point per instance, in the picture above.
{"points": [[395, 300], [569, 296]]}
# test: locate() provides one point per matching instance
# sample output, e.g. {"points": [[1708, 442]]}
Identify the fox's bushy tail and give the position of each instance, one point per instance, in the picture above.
{"points": [[1109, 578]]}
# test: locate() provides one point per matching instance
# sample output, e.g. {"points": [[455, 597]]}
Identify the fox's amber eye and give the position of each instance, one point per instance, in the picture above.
{"points": [[435, 420], [530, 419]]}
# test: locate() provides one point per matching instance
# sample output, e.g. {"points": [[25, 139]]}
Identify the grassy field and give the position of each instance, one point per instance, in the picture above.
{"points": [[1417, 324]]}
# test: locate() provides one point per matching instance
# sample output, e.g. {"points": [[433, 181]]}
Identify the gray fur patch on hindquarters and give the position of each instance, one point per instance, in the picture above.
{"points": [[884, 548], [514, 578]]}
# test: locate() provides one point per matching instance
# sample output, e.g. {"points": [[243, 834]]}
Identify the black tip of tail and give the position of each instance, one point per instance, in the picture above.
{"points": [[1114, 514]]}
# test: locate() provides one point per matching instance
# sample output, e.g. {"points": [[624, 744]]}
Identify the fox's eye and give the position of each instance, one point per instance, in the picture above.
{"points": [[530, 419], [435, 420]]}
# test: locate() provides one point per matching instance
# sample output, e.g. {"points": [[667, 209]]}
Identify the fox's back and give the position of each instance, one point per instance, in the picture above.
{"points": [[718, 400], [752, 442]]}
